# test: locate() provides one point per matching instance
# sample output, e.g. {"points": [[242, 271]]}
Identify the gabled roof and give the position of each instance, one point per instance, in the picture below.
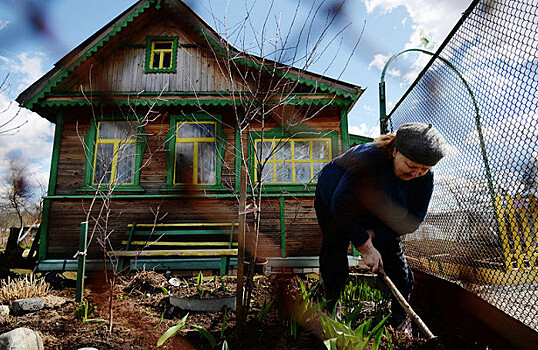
{"points": [[38, 90]]}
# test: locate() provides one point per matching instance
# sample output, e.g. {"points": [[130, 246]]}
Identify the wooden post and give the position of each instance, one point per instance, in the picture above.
{"points": [[81, 255], [239, 296]]}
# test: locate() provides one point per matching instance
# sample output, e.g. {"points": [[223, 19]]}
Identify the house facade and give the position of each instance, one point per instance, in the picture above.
{"points": [[154, 116]]}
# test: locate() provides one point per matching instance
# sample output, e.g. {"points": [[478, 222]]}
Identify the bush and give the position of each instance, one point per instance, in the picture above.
{"points": [[22, 288]]}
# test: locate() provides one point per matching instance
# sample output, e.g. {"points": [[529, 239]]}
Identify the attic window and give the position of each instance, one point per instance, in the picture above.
{"points": [[161, 54]]}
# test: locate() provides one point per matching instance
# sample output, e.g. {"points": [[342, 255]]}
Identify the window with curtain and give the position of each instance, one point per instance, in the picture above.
{"points": [[115, 153], [292, 160], [195, 153]]}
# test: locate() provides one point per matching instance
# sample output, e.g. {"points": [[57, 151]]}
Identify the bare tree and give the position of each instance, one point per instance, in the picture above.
{"points": [[265, 71], [9, 124], [16, 199], [108, 175]]}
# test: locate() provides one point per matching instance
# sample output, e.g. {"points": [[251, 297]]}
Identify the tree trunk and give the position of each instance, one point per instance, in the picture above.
{"points": [[12, 256]]}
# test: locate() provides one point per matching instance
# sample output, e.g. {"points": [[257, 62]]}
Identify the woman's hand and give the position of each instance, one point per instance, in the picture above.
{"points": [[370, 255]]}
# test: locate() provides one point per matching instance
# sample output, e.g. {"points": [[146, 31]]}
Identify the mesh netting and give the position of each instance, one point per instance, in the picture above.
{"points": [[480, 91]]}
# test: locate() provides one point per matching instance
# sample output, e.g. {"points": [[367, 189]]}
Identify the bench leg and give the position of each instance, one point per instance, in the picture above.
{"points": [[224, 265]]}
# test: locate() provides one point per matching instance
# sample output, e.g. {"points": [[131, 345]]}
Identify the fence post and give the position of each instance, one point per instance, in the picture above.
{"points": [[81, 255]]}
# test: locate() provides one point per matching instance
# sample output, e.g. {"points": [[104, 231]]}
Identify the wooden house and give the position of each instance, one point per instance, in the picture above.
{"points": [[146, 115]]}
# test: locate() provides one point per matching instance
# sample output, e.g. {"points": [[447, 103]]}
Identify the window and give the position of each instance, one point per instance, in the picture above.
{"points": [[292, 161], [195, 155], [161, 54], [114, 154], [195, 148]]}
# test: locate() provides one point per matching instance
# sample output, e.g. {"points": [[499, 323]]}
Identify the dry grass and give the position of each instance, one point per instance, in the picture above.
{"points": [[22, 288]]}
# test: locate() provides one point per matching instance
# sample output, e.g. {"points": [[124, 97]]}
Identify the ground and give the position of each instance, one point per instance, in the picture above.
{"points": [[141, 314]]}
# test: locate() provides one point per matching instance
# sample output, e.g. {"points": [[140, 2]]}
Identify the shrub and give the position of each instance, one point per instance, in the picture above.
{"points": [[22, 288]]}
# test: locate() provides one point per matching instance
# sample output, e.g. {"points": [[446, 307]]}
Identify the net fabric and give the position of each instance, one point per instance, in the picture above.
{"points": [[480, 92]]}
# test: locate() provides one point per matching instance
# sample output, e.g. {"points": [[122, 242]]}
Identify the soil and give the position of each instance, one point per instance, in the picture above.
{"points": [[141, 314]]}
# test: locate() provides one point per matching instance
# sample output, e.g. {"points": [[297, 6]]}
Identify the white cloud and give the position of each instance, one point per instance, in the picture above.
{"points": [[3, 24], [370, 110], [25, 68], [437, 16], [518, 130], [31, 143], [364, 130], [379, 61], [434, 19]]}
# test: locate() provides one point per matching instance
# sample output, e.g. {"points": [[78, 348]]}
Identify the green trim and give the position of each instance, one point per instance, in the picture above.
{"points": [[357, 139], [44, 227], [282, 205], [81, 265], [344, 130], [178, 195], [53, 177], [221, 101], [270, 69], [284, 72], [126, 188], [89, 148], [89, 53], [170, 149], [289, 132], [237, 159], [173, 66]]}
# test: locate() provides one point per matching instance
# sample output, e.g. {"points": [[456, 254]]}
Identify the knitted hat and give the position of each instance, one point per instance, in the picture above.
{"points": [[421, 143]]}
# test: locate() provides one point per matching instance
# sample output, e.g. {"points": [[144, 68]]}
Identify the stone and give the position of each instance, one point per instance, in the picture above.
{"points": [[21, 339], [4, 311], [27, 305], [88, 349]]}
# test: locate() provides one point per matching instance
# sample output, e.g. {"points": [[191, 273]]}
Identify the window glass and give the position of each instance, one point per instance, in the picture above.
{"points": [[320, 150], [284, 172], [206, 163], [302, 172], [103, 164], [302, 150], [161, 54], [283, 150], [184, 162], [267, 174], [195, 153], [117, 130], [126, 163], [295, 160], [115, 153], [195, 130]]}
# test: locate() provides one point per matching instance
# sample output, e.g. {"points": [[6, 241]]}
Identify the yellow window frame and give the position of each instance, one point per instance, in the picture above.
{"points": [[116, 143], [161, 52], [195, 141], [293, 161]]}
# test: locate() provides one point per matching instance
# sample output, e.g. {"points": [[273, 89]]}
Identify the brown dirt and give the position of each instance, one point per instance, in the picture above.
{"points": [[140, 301]]}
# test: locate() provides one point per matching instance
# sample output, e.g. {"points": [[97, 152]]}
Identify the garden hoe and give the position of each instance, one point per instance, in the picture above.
{"points": [[430, 338]]}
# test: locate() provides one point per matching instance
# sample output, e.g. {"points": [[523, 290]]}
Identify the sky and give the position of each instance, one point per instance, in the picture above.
{"points": [[35, 34]]}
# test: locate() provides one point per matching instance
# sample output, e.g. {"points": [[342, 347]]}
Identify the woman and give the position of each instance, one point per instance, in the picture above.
{"points": [[371, 195]]}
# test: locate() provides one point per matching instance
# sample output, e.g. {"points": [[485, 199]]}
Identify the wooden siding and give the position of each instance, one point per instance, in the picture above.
{"points": [[120, 65], [66, 216], [302, 232]]}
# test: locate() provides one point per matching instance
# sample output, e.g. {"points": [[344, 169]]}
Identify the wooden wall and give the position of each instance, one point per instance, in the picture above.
{"points": [[120, 65], [302, 232]]}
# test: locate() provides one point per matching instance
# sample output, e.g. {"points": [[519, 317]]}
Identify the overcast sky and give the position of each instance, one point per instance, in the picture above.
{"points": [[382, 28]]}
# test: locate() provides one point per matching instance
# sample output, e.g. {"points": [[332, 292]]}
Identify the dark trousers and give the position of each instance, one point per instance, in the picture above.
{"points": [[334, 267]]}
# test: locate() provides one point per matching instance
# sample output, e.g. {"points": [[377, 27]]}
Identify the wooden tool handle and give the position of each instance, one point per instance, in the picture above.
{"points": [[403, 302]]}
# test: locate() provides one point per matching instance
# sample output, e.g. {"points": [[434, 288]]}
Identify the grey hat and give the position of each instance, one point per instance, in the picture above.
{"points": [[421, 143]]}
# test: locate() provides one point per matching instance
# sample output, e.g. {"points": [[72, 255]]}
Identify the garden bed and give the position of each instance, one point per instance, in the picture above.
{"points": [[142, 313]]}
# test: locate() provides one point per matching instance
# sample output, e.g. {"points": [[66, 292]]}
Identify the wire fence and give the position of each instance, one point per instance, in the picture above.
{"points": [[480, 92]]}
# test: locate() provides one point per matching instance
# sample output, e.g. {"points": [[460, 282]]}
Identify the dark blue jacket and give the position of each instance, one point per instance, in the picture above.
{"points": [[359, 191]]}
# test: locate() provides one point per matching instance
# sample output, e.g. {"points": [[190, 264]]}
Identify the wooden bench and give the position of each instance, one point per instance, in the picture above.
{"points": [[195, 244]]}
